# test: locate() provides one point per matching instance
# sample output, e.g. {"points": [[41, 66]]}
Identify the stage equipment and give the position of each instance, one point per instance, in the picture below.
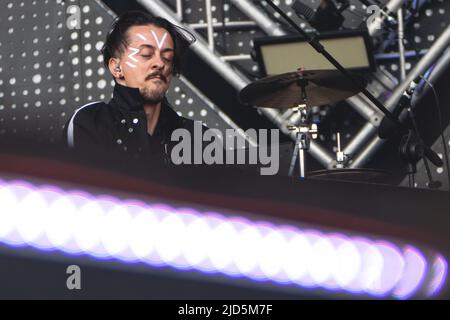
{"points": [[320, 49], [352, 175], [300, 90], [327, 15], [270, 238], [435, 55], [277, 55], [288, 90]]}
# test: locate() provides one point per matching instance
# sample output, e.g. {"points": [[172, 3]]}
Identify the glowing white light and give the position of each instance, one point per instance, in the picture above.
{"points": [[221, 245], [415, 267], [348, 261], [88, 225], [195, 251], [323, 256], [143, 238], [116, 230], [31, 214], [249, 249], [169, 236], [9, 204], [59, 224], [296, 257], [372, 264], [393, 268], [271, 260], [105, 227]]}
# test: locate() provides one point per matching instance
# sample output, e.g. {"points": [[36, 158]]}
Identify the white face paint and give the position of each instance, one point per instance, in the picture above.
{"points": [[131, 57], [128, 63], [135, 51], [159, 42], [142, 37]]}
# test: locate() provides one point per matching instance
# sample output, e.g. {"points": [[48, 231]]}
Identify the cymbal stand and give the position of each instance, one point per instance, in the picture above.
{"points": [[341, 157], [305, 131]]}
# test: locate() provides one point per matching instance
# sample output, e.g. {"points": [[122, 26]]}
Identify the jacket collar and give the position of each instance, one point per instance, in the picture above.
{"points": [[130, 99]]}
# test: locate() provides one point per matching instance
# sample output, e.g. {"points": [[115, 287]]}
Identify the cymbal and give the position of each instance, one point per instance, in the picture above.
{"points": [[284, 91], [352, 175]]}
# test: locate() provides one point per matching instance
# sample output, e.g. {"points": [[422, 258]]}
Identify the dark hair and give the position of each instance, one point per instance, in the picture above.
{"points": [[117, 39]]}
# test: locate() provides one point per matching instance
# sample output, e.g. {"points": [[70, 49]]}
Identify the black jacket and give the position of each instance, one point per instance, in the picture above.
{"points": [[121, 126]]}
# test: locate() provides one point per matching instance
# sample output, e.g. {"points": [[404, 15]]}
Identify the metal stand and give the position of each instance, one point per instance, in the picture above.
{"points": [[305, 132], [341, 157], [412, 149]]}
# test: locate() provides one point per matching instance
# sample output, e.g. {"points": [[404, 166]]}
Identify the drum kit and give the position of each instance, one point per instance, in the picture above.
{"points": [[301, 90]]}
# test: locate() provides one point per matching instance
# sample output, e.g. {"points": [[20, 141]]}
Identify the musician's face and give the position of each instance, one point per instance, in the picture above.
{"points": [[147, 62]]}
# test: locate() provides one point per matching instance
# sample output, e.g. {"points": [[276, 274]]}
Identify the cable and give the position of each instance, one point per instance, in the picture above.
{"points": [[441, 126]]}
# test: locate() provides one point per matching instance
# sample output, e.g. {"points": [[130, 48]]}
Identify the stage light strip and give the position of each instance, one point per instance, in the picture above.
{"points": [[49, 218]]}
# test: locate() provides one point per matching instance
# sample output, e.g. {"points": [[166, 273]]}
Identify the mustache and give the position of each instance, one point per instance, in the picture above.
{"points": [[163, 78]]}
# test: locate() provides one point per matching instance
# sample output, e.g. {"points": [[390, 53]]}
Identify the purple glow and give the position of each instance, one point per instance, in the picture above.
{"points": [[393, 268], [413, 275], [348, 260], [105, 227], [439, 270]]}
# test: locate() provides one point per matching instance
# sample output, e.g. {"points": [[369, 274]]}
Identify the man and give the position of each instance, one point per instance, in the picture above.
{"points": [[142, 53]]}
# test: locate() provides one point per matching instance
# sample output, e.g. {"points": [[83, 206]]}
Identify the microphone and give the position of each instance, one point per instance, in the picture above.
{"points": [[387, 128], [327, 16]]}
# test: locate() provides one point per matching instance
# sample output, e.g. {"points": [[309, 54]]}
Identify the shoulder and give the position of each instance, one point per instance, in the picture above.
{"points": [[88, 112], [83, 120]]}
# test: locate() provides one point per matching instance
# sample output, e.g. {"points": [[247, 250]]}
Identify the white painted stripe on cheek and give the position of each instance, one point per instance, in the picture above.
{"points": [[130, 64], [135, 52]]}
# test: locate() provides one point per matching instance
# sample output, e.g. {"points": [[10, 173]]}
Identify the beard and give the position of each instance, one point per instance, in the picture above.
{"points": [[153, 96]]}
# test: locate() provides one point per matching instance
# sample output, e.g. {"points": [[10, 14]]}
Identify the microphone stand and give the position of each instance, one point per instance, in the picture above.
{"points": [[411, 146], [315, 43], [412, 150]]}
